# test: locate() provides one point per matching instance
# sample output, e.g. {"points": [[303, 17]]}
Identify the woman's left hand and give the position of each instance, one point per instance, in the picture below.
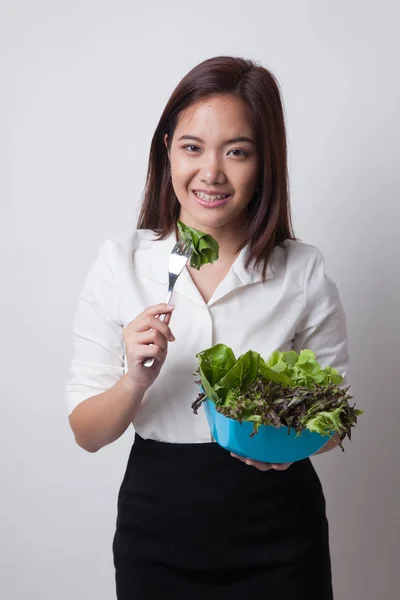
{"points": [[262, 466]]}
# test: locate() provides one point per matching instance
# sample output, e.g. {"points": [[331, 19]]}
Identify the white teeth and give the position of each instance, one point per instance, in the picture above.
{"points": [[210, 197]]}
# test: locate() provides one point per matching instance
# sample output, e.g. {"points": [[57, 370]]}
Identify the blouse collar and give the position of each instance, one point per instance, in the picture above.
{"points": [[151, 257]]}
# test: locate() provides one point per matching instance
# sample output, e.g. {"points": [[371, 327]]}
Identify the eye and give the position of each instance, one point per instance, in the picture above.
{"points": [[238, 152], [191, 148]]}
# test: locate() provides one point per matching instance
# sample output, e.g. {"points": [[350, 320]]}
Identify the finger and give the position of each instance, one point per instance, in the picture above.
{"points": [[149, 322], [158, 309], [152, 336], [281, 466], [241, 458], [261, 466], [253, 463], [238, 457], [143, 351]]}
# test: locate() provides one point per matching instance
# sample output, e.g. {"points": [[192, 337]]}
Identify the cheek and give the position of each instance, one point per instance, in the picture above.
{"points": [[182, 171], [246, 181]]}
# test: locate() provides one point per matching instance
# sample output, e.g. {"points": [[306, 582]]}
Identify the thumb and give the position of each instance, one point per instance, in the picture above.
{"points": [[168, 318]]}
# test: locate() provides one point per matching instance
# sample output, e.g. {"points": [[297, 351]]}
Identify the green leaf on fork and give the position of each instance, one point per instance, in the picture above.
{"points": [[205, 247]]}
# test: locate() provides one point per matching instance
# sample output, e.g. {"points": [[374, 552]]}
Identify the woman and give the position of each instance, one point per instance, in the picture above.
{"points": [[193, 519]]}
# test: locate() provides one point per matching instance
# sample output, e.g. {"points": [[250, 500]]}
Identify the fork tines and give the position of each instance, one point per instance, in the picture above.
{"points": [[183, 246]]}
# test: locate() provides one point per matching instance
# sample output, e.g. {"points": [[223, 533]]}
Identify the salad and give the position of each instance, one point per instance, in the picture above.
{"points": [[205, 247], [288, 389]]}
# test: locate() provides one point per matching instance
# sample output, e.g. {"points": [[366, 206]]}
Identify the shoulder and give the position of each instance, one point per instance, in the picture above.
{"points": [[114, 256], [300, 252], [117, 251], [123, 244], [297, 258], [308, 263]]}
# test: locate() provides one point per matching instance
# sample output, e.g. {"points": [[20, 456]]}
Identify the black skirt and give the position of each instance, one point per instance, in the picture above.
{"points": [[194, 522]]}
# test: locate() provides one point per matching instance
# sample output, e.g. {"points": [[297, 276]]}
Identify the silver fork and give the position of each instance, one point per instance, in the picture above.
{"points": [[180, 254]]}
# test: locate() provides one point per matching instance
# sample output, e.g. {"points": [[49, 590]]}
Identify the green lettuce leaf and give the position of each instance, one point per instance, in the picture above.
{"points": [[208, 388], [326, 422], [288, 389], [302, 369], [243, 373], [271, 375], [216, 362], [205, 247]]}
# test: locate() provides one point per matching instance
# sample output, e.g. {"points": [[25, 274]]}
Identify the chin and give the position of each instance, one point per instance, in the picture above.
{"points": [[204, 223], [210, 218]]}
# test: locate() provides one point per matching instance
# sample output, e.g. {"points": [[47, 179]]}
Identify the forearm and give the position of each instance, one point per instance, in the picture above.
{"points": [[102, 419], [330, 445]]}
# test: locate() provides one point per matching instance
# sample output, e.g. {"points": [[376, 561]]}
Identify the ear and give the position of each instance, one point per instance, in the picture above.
{"points": [[166, 142]]}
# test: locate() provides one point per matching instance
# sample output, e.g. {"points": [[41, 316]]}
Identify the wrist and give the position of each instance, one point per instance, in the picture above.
{"points": [[330, 445], [132, 387]]}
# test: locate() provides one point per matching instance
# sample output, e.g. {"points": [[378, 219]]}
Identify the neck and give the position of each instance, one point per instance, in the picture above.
{"points": [[229, 237]]}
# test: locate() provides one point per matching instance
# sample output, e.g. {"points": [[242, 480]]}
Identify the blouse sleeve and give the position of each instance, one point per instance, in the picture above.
{"points": [[98, 350], [323, 328]]}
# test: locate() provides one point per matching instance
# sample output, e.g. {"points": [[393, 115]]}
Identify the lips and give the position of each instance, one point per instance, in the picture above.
{"points": [[208, 200], [209, 196]]}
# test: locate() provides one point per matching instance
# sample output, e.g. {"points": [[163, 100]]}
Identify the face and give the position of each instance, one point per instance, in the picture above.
{"points": [[214, 164]]}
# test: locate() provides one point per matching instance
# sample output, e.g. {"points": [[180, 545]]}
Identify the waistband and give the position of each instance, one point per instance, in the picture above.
{"points": [[169, 450]]}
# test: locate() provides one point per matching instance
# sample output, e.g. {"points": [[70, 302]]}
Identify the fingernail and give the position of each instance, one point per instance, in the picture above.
{"points": [[172, 337], [171, 306]]}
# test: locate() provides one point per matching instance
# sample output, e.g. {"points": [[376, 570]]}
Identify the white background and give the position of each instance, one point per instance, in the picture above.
{"points": [[83, 86]]}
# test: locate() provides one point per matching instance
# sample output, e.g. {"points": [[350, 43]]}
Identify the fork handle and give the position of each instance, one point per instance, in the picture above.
{"points": [[149, 362]]}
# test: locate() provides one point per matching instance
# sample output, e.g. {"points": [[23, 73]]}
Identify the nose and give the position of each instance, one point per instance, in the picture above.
{"points": [[212, 173]]}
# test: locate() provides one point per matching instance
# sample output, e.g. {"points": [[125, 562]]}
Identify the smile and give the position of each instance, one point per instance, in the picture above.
{"points": [[210, 197], [211, 200]]}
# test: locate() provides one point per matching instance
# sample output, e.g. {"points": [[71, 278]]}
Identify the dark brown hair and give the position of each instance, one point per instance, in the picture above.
{"points": [[269, 221]]}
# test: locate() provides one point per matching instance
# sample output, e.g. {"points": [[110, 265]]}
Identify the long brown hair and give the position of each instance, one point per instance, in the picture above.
{"points": [[269, 220]]}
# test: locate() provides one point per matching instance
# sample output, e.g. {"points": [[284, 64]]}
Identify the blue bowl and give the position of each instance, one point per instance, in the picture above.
{"points": [[270, 444]]}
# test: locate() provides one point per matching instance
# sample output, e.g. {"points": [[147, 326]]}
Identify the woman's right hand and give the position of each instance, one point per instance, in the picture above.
{"points": [[147, 337]]}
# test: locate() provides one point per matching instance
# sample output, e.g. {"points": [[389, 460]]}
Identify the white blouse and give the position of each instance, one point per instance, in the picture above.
{"points": [[297, 307]]}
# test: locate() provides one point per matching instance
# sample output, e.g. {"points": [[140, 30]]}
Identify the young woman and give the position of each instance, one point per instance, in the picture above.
{"points": [[193, 520]]}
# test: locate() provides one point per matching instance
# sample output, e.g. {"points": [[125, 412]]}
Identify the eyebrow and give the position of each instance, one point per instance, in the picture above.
{"points": [[240, 138]]}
